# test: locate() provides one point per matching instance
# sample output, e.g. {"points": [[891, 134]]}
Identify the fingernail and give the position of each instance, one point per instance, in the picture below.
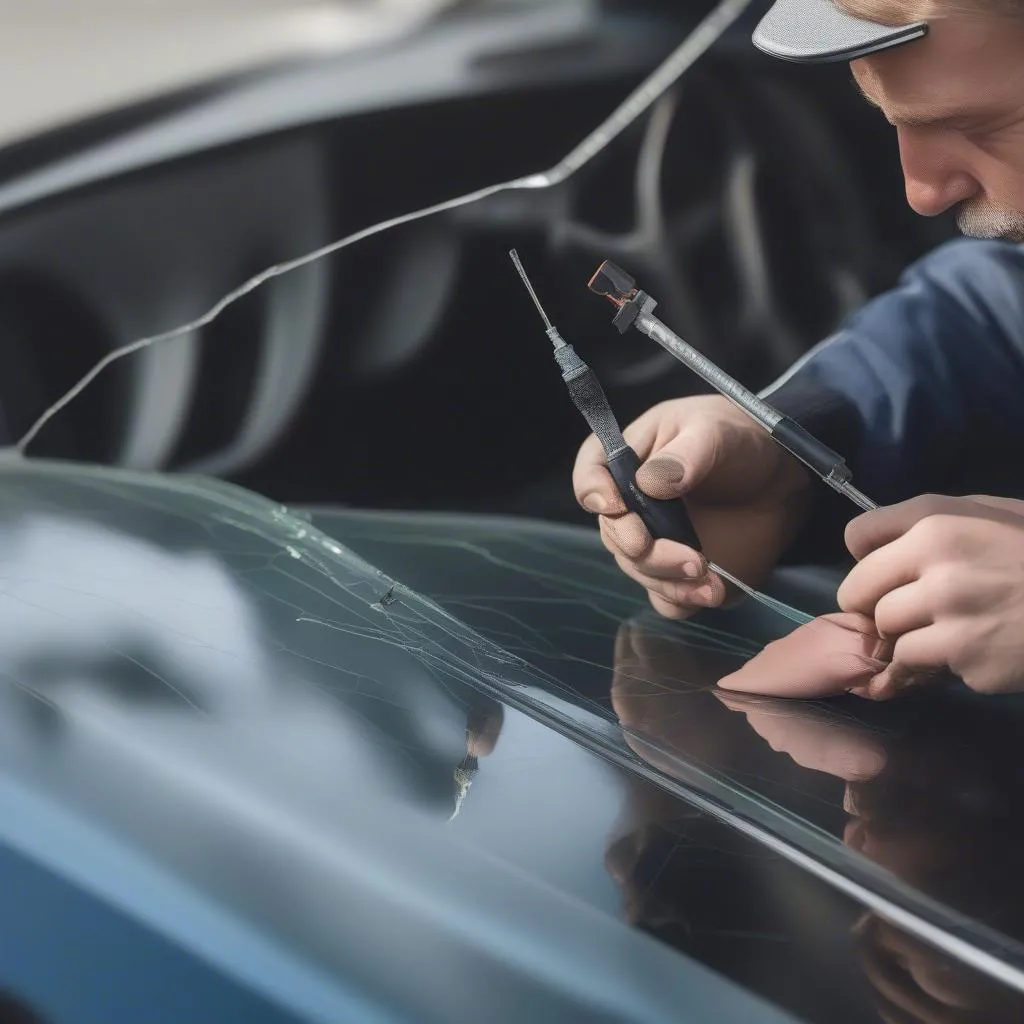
{"points": [[666, 468], [694, 570], [595, 503]]}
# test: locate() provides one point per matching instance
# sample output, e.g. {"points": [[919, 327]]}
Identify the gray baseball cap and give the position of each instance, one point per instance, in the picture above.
{"points": [[818, 32]]}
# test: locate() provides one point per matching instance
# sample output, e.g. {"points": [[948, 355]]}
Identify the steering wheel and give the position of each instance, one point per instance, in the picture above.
{"points": [[746, 225]]}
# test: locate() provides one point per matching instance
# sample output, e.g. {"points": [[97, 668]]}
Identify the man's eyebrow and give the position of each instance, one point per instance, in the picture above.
{"points": [[908, 120], [948, 118]]}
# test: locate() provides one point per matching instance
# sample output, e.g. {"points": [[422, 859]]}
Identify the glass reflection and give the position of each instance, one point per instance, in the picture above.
{"points": [[937, 804], [913, 983], [707, 893], [553, 597], [930, 791], [128, 606]]}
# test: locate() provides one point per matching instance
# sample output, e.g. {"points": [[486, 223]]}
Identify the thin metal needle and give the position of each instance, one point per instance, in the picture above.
{"points": [[859, 499], [529, 287]]}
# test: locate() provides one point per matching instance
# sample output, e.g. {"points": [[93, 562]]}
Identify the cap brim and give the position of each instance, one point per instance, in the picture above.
{"points": [[818, 32]]}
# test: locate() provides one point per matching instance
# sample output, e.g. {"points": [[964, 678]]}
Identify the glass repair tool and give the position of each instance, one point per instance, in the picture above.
{"points": [[636, 309], [666, 519]]}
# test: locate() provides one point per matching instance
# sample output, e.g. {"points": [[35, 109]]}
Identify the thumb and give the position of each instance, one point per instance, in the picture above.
{"points": [[681, 464]]}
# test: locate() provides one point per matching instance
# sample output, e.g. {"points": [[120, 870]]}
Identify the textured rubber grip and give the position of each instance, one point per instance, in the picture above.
{"points": [[664, 519], [588, 396]]}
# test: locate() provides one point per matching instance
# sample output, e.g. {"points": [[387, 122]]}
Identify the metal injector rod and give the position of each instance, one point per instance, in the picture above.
{"points": [[663, 518], [636, 309]]}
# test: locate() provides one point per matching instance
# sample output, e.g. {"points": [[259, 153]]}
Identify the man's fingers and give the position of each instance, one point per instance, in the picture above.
{"points": [[681, 586], [893, 680], [902, 611], [663, 476], [592, 484], [917, 657], [709, 593], [678, 463], [659, 559], [876, 529], [924, 651], [626, 535], [881, 571], [668, 610], [1009, 506], [673, 461], [678, 570]]}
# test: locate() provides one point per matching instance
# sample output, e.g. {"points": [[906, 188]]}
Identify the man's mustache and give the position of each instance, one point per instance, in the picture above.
{"points": [[976, 219]]}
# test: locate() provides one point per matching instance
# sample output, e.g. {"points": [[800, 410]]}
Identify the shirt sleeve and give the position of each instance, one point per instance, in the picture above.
{"points": [[922, 390]]}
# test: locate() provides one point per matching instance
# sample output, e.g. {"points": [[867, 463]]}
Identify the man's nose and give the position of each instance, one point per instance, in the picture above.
{"points": [[935, 171]]}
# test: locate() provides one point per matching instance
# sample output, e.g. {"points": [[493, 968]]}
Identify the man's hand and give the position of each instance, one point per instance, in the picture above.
{"points": [[943, 580], [939, 585], [747, 498]]}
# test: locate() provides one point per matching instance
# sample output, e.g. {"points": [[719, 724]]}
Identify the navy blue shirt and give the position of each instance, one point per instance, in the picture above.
{"points": [[922, 390]]}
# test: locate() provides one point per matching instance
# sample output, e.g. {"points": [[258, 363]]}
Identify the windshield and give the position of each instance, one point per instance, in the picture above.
{"points": [[141, 612], [235, 730], [878, 797]]}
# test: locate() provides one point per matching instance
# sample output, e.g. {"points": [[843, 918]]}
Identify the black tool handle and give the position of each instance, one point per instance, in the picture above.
{"points": [[667, 519]]}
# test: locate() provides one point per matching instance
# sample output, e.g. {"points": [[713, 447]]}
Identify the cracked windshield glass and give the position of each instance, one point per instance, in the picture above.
{"points": [[511, 503]]}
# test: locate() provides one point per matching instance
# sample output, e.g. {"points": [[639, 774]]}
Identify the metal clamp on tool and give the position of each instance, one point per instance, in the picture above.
{"points": [[635, 308]]}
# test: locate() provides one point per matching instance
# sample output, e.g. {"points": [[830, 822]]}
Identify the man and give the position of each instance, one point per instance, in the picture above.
{"points": [[922, 391]]}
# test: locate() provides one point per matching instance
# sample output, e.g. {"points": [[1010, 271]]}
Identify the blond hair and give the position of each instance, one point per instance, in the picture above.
{"points": [[903, 12]]}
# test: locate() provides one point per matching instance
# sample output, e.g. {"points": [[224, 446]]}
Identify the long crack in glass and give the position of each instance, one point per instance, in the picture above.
{"points": [[693, 47]]}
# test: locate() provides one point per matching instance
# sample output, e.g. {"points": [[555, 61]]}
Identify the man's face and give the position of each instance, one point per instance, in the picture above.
{"points": [[956, 98]]}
